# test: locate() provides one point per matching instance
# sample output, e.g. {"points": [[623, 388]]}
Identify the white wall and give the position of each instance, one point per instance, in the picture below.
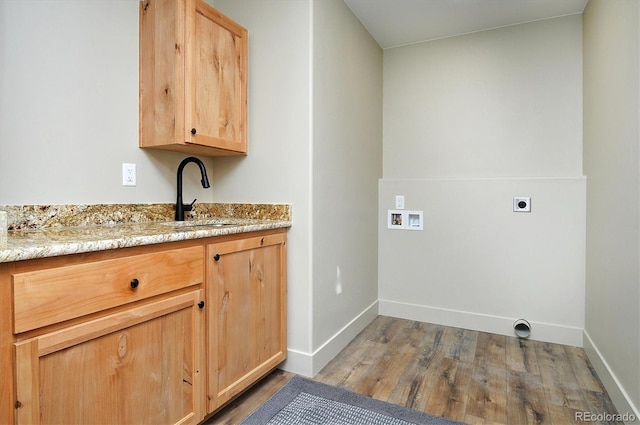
{"points": [[612, 167], [69, 107], [501, 103], [469, 123], [477, 265], [347, 163]]}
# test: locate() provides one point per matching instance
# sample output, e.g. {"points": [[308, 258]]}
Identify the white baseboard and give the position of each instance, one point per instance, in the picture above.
{"points": [[298, 362], [540, 331], [309, 364], [618, 395]]}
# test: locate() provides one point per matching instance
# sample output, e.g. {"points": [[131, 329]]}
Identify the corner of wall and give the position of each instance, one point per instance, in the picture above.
{"points": [[310, 364], [616, 391]]}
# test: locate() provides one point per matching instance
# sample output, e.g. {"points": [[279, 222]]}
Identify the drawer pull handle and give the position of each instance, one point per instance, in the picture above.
{"points": [[216, 257], [134, 283], [194, 131], [201, 304]]}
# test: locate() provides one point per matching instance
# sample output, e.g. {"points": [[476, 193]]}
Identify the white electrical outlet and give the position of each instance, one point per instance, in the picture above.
{"points": [[128, 174], [522, 204], [399, 202]]}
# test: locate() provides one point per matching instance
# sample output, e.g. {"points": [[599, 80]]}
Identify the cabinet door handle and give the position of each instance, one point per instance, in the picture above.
{"points": [[201, 304], [134, 283], [193, 131], [216, 257]]}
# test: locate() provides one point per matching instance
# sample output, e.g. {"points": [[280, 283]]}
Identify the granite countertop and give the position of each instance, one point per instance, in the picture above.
{"points": [[28, 241]]}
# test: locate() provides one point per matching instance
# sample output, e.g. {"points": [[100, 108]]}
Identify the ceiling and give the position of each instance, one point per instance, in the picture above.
{"points": [[395, 23]]}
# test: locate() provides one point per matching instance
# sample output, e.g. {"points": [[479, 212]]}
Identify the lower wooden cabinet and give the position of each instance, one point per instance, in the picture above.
{"points": [[142, 365], [247, 314], [161, 334]]}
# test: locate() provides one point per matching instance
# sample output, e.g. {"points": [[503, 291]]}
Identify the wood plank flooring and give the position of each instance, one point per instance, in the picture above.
{"points": [[471, 377]]}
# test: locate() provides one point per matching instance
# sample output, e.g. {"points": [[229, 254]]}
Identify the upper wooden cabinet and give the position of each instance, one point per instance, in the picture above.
{"points": [[193, 79]]}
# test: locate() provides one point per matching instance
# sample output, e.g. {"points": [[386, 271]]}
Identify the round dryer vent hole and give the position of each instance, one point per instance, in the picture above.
{"points": [[522, 328]]}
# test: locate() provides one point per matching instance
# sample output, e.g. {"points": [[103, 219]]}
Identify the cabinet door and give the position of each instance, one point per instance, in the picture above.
{"points": [[247, 327], [142, 365], [216, 85]]}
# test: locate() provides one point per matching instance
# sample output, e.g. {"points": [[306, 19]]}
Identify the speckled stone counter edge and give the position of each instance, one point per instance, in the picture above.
{"points": [[3, 229], [21, 217]]}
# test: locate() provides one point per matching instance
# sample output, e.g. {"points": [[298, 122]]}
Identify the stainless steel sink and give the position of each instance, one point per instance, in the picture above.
{"points": [[193, 225]]}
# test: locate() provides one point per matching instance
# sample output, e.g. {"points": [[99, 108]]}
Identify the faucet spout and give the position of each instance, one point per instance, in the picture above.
{"points": [[180, 206]]}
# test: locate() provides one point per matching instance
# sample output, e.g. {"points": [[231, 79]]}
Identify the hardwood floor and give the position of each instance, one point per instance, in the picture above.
{"points": [[471, 377]]}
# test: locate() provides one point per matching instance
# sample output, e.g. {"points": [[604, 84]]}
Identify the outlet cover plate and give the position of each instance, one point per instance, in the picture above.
{"points": [[129, 174]]}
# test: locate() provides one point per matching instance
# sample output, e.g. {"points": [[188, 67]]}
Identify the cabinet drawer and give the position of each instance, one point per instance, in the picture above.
{"points": [[52, 295]]}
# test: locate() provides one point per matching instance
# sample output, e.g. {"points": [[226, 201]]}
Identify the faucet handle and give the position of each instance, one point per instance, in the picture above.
{"points": [[189, 207]]}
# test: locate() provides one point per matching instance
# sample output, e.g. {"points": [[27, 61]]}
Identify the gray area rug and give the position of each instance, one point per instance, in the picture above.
{"points": [[305, 402]]}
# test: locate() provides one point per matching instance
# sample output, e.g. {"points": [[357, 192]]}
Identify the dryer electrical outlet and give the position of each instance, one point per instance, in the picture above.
{"points": [[522, 204]]}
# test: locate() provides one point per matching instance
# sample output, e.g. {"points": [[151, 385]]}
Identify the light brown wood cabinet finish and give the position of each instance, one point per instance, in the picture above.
{"points": [[193, 79], [78, 344], [142, 365], [247, 295], [47, 296]]}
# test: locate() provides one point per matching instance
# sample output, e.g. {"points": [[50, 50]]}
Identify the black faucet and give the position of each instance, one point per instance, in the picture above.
{"points": [[180, 207]]}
